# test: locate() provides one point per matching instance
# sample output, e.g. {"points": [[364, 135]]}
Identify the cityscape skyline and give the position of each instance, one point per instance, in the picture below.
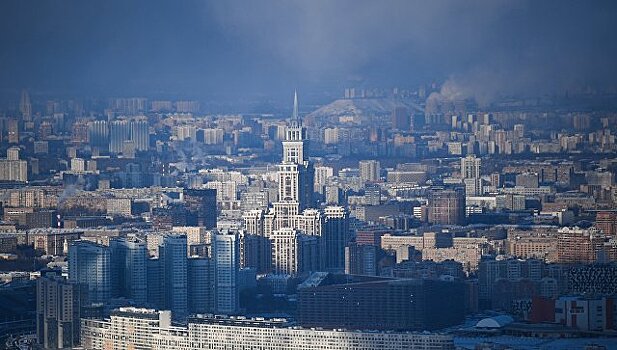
{"points": [[308, 175]]}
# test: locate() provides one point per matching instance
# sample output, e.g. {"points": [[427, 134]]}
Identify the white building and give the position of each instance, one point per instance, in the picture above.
{"points": [[131, 328], [369, 170], [78, 165], [292, 252]]}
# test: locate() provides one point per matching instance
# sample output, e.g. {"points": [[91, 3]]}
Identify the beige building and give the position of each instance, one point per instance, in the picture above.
{"points": [[13, 170]]}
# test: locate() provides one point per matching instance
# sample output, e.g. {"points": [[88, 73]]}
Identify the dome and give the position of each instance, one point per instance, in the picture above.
{"points": [[494, 322]]}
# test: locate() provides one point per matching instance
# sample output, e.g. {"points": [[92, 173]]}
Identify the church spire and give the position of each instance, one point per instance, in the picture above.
{"points": [[294, 115]]}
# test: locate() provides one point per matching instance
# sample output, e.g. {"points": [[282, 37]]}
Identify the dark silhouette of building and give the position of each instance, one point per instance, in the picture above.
{"points": [[201, 207], [401, 120], [361, 259], [409, 304], [446, 206], [256, 252], [58, 311], [334, 239]]}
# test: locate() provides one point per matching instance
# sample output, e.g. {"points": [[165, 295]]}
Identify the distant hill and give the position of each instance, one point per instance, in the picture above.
{"points": [[361, 108]]}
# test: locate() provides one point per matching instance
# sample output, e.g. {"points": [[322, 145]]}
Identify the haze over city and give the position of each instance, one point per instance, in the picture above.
{"points": [[203, 48], [308, 175]]}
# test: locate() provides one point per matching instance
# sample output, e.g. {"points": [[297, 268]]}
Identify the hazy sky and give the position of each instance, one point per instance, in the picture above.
{"points": [[487, 47]]}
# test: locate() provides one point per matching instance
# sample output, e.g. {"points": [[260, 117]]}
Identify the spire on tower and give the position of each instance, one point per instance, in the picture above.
{"points": [[294, 115]]}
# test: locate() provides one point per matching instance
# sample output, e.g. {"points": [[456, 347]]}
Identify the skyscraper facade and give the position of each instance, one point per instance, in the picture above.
{"points": [[470, 173], [98, 134], [335, 237], [129, 257], [25, 107], [294, 253], [255, 252], [139, 134], [296, 174], [119, 132], [369, 170], [296, 231], [226, 259], [470, 167], [361, 259], [90, 265], [58, 304], [200, 286], [174, 274]]}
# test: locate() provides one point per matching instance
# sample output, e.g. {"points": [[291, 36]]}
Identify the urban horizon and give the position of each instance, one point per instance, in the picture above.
{"points": [[308, 175]]}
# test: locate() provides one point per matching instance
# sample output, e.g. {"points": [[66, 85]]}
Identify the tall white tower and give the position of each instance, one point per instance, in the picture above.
{"points": [[295, 173]]}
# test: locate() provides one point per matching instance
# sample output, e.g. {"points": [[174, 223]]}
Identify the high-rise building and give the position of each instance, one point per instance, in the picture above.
{"points": [[253, 222], [322, 174], [58, 305], [493, 273], [13, 170], [123, 136], [13, 130], [129, 258], [401, 119], [470, 173], [361, 259], [153, 279], [334, 238], [174, 274], [310, 222], [211, 136], [333, 195], [90, 265], [293, 253], [200, 285], [370, 170], [519, 130], [201, 207], [295, 174], [139, 134], [189, 106], [470, 167], [129, 106], [372, 194], [284, 251], [25, 107], [98, 134], [119, 131], [446, 206], [226, 260], [255, 252]]}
